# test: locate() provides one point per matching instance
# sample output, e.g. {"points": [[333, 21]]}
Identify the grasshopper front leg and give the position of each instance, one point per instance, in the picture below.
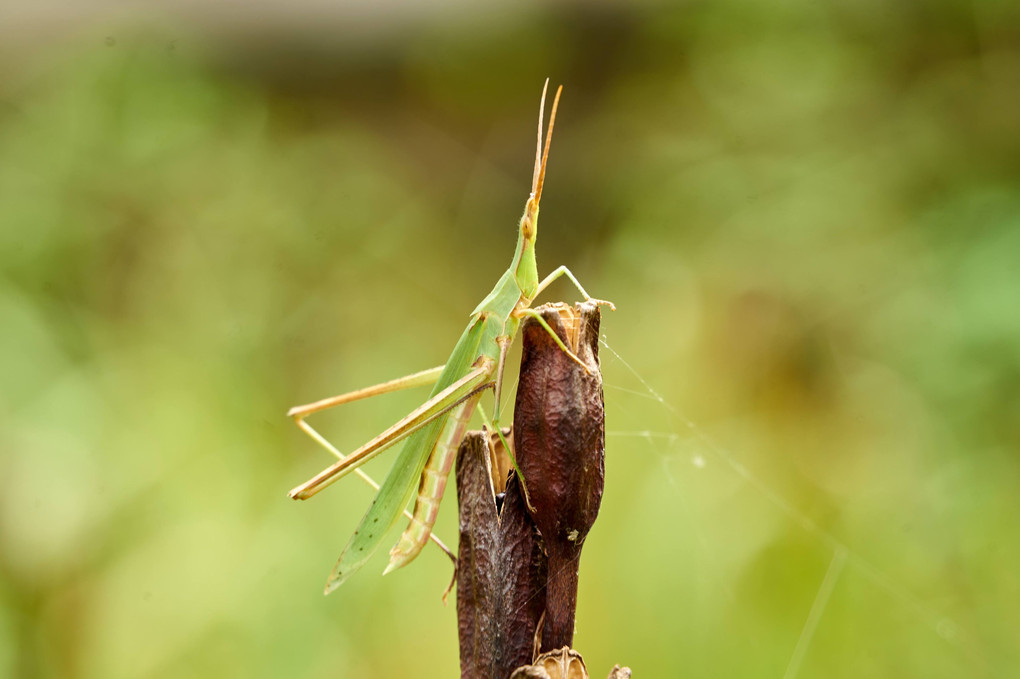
{"points": [[564, 271]]}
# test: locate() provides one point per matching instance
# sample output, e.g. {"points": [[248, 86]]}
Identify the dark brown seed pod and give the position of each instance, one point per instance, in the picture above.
{"points": [[501, 567], [559, 434]]}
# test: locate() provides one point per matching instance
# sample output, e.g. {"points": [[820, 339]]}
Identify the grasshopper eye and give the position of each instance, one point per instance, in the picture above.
{"points": [[529, 221]]}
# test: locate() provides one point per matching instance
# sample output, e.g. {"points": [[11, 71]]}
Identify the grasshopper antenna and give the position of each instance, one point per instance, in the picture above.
{"points": [[542, 153], [538, 145]]}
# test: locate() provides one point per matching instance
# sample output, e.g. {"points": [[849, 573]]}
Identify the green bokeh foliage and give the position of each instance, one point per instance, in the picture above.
{"points": [[808, 216]]}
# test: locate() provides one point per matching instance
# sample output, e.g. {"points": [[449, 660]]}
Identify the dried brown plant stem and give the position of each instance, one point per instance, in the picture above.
{"points": [[518, 571]]}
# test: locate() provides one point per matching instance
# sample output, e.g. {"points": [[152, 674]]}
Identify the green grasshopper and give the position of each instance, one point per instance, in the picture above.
{"points": [[434, 430]]}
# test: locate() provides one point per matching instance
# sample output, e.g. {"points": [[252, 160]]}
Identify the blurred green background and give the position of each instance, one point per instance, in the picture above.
{"points": [[807, 213]]}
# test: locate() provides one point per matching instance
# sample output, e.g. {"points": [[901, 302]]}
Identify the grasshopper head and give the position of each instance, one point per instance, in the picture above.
{"points": [[524, 267]]}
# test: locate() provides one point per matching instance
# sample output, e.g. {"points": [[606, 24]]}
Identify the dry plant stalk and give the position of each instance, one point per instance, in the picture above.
{"points": [[518, 571]]}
